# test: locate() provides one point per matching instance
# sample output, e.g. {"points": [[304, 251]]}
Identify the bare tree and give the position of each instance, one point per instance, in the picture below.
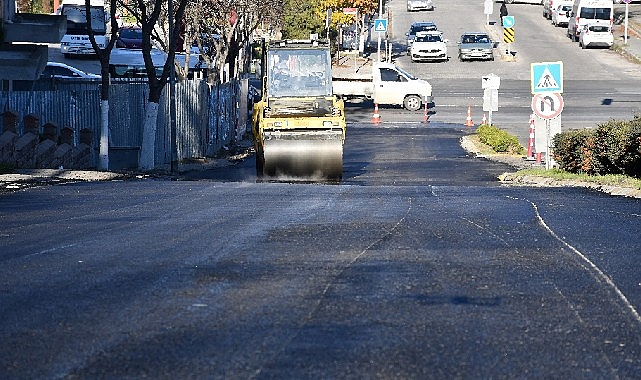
{"points": [[222, 28], [103, 56], [150, 12]]}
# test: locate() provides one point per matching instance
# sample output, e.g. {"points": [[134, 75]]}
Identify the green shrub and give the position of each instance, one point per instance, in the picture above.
{"points": [[499, 140], [617, 147], [570, 151], [614, 147]]}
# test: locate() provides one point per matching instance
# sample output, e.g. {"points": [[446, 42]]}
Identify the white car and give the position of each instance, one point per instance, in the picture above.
{"points": [[560, 13], [418, 5], [429, 46], [523, 1], [596, 35], [61, 71]]}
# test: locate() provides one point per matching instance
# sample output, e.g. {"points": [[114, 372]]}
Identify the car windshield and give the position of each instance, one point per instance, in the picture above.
{"points": [[565, 8], [423, 28], [410, 76], [131, 33], [429, 38], [476, 39], [292, 72], [595, 13]]}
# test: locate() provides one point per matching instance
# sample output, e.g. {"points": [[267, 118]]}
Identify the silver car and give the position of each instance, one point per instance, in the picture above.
{"points": [[420, 5], [475, 45]]}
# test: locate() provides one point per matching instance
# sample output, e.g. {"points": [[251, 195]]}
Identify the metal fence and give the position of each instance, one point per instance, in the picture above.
{"points": [[207, 117]]}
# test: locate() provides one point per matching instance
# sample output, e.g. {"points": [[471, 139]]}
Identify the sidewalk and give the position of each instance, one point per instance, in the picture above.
{"points": [[633, 47]]}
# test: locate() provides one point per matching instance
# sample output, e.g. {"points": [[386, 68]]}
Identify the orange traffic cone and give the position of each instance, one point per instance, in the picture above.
{"points": [[426, 116], [530, 147], [376, 118], [468, 121], [483, 120]]}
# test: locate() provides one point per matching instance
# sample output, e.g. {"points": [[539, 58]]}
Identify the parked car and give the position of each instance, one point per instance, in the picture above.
{"points": [[596, 35], [129, 38], [61, 71], [421, 26], [420, 5], [429, 46], [523, 1], [560, 13], [475, 45]]}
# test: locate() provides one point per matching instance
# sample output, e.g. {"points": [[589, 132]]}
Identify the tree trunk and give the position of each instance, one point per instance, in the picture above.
{"points": [[103, 162], [147, 151]]}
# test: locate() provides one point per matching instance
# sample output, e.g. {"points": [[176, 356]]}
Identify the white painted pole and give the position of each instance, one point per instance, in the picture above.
{"points": [[625, 34]]}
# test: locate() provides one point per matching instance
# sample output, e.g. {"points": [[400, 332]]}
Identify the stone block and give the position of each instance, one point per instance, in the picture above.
{"points": [[32, 124], [9, 122], [7, 147], [66, 136], [63, 156], [86, 136], [25, 150], [44, 154], [50, 132], [82, 157]]}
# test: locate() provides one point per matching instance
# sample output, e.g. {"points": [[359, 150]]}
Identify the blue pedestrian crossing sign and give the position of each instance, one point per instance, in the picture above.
{"points": [[547, 77], [508, 21], [380, 25]]}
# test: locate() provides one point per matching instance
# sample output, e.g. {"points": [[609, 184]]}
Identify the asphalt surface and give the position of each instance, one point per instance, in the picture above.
{"points": [[420, 265]]}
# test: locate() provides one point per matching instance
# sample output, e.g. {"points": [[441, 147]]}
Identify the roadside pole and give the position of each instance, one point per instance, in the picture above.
{"points": [[380, 14], [625, 33], [547, 102], [490, 85], [489, 9]]}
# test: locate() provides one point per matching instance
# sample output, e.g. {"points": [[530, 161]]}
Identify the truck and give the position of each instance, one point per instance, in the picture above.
{"points": [[76, 39], [298, 123], [388, 84]]}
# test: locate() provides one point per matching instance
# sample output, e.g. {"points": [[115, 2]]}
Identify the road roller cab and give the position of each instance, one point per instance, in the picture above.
{"points": [[298, 124]]}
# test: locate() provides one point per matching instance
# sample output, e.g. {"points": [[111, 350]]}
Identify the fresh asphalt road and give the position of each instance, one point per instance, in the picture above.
{"points": [[419, 265]]}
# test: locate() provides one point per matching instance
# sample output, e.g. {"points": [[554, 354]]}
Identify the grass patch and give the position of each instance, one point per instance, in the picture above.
{"points": [[606, 180]]}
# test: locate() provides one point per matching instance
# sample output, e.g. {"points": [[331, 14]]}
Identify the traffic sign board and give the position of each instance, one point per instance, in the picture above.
{"points": [[547, 77], [508, 21], [489, 7], [547, 106], [508, 35], [491, 81], [380, 25]]}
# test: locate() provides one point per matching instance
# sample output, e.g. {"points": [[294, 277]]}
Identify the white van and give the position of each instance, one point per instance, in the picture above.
{"points": [[589, 12]]}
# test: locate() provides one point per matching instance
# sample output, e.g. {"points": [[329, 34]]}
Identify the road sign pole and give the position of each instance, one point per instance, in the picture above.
{"points": [[380, 15], [548, 164], [625, 34]]}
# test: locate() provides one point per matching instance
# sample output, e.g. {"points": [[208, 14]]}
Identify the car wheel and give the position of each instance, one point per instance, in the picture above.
{"points": [[412, 103]]}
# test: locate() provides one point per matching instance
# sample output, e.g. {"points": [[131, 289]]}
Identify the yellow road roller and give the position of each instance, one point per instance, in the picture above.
{"points": [[298, 124]]}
